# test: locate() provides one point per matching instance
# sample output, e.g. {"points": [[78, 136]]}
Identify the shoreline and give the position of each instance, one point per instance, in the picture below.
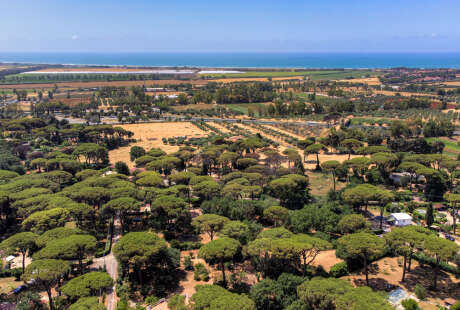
{"points": [[198, 67]]}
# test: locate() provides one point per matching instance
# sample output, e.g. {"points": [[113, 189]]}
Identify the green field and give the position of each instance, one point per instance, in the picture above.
{"points": [[452, 148], [313, 75], [243, 107]]}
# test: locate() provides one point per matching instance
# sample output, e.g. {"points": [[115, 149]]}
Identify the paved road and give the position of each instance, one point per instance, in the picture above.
{"points": [[111, 266]]}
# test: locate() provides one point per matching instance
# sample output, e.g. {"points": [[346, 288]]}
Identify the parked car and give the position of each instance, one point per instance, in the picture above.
{"points": [[19, 289], [449, 237]]}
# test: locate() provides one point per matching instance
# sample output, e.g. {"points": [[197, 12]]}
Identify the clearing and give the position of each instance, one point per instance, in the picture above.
{"points": [[149, 135]]}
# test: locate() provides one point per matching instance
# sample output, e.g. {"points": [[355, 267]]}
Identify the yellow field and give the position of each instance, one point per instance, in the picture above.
{"points": [[149, 136], [451, 83], [402, 93], [368, 81]]}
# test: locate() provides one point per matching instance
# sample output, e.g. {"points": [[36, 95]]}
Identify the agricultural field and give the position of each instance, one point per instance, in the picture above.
{"points": [[368, 81], [235, 209], [94, 84], [452, 146], [313, 75]]}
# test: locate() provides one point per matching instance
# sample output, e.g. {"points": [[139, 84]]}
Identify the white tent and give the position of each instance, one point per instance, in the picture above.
{"points": [[400, 219]]}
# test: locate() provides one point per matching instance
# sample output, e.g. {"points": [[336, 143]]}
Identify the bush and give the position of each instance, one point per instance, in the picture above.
{"points": [[151, 300], [188, 263], [423, 259], [201, 273], [15, 272], [420, 292], [339, 270], [177, 302], [184, 246], [455, 306], [410, 304], [122, 168]]}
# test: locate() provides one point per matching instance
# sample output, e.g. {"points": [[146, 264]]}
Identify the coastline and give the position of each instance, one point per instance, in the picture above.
{"points": [[251, 61]]}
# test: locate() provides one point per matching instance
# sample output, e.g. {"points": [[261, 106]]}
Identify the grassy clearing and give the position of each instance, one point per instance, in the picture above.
{"points": [[321, 183], [451, 149], [313, 75], [201, 106], [243, 107]]}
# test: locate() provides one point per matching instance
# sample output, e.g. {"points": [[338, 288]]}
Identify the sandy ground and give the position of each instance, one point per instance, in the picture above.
{"points": [[327, 259], [187, 285], [149, 136], [451, 83], [389, 271]]}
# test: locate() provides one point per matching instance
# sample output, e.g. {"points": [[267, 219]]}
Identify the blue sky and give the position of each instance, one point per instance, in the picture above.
{"points": [[229, 26]]}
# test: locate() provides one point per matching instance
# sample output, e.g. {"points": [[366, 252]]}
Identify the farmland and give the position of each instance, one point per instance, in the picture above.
{"points": [[231, 186], [313, 75]]}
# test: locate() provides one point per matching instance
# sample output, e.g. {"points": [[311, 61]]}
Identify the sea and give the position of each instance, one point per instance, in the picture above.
{"points": [[242, 60]]}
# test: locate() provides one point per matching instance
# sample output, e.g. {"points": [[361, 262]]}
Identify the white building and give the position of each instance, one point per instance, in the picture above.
{"points": [[400, 219]]}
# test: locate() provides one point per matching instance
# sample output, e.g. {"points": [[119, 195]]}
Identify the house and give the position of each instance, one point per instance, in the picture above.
{"points": [[400, 177], [400, 219]]}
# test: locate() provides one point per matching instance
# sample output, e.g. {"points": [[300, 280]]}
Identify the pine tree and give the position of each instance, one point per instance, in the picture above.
{"points": [[429, 217]]}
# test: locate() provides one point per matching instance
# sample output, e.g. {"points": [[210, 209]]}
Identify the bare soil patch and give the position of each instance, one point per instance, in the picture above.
{"points": [[327, 259]]}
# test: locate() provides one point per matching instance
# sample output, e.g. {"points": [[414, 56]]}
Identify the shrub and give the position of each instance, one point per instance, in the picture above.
{"points": [[14, 272], [151, 300], [410, 304], [122, 168], [184, 246], [339, 270], [188, 263], [420, 292], [201, 273], [455, 306]]}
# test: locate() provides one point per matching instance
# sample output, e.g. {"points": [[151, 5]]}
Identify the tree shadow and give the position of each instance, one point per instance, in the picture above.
{"points": [[446, 287], [377, 284]]}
